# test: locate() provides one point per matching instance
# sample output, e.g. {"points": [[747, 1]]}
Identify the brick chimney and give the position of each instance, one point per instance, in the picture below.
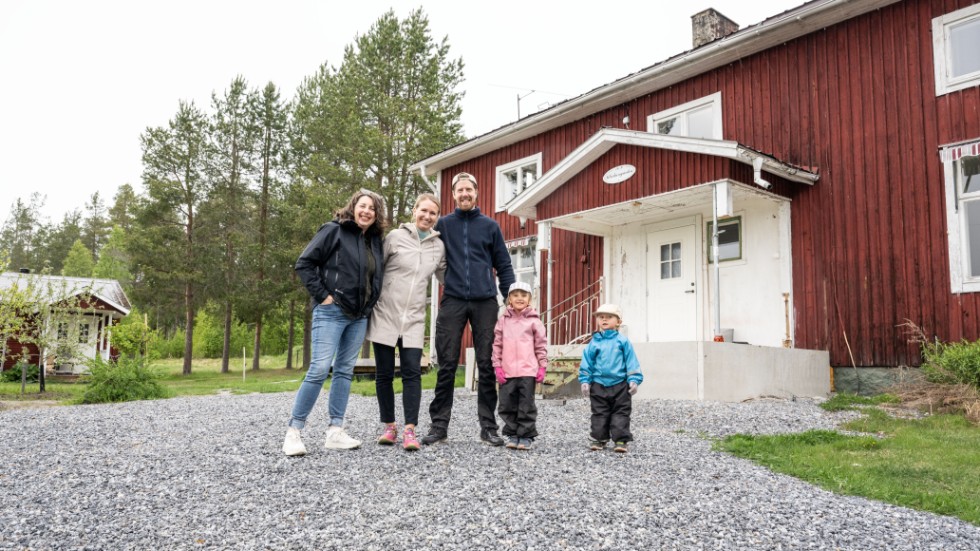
{"points": [[709, 25]]}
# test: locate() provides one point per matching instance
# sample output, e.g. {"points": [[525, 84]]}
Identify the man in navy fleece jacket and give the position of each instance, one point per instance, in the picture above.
{"points": [[474, 250]]}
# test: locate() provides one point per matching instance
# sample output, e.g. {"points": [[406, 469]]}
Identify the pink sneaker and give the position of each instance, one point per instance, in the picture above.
{"points": [[408, 440], [390, 435]]}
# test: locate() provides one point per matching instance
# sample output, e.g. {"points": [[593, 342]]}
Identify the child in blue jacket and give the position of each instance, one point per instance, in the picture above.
{"points": [[610, 375]]}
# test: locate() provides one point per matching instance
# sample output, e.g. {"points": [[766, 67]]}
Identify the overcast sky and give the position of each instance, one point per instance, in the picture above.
{"points": [[81, 80]]}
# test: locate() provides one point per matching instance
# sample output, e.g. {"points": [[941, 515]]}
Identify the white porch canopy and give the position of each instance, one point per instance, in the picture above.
{"points": [[524, 205]]}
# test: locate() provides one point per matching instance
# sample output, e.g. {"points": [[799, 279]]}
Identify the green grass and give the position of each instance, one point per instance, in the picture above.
{"points": [[845, 401], [930, 464], [206, 378]]}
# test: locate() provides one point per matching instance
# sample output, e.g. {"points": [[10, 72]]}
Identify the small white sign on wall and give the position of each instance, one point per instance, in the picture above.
{"points": [[619, 174]]}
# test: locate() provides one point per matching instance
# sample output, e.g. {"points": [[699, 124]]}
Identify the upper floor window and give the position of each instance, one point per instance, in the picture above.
{"points": [[515, 177], [700, 118], [956, 49], [962, 167]]}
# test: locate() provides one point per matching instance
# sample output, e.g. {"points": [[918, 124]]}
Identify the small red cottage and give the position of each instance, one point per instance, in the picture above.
{"points": [[804, 186], [86, 327]]}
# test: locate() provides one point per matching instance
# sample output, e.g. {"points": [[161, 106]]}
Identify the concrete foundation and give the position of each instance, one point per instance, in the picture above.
{"points": [[719, 371], [868, 381]]}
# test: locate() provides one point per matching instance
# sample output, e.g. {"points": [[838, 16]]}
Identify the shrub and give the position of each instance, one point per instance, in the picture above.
{"points": [[131, 336], [164, 347], [209, 334], [126, 380], [13, 375], [952, 363]]}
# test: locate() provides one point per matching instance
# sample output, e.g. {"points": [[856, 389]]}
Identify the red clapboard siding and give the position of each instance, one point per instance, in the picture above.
{"points": [[857, 102]]}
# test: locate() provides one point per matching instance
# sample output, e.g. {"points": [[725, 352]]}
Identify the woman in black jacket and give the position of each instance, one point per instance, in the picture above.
{"points": [[342, 268]]}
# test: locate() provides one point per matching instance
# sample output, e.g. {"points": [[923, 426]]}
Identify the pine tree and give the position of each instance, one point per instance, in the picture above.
{"points": [[24, 233], [262, 262], [95, 226], [79, 262], [166, 246], [230, 209], [60, 240], [113, 261], [124, 203], [399, 98]]}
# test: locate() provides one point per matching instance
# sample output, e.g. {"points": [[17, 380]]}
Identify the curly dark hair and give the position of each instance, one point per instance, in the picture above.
{"points": [[380, 220]]}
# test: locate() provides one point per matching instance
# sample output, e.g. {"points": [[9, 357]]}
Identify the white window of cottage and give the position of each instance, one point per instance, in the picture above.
{"points": [[956, 49], [700, 118], [962, 171], [515, 177]]}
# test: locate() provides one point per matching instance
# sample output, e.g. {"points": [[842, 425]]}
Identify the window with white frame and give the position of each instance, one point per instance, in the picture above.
{"points": [[956, 49], [83, 329], [522, 254], [515, 177], [962, 171], [700, 118]]}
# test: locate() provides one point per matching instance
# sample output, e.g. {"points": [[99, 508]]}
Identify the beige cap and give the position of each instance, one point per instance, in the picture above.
{"points": [[610, 308], [520, 286]]}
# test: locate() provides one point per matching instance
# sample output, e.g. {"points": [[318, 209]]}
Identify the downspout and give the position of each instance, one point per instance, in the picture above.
{"points": [[425, 179], [546, 229], [714, 255], [757, 163]]}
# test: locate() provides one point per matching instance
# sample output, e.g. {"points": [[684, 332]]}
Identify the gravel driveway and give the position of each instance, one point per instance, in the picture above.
{"points": [[207, 473]]}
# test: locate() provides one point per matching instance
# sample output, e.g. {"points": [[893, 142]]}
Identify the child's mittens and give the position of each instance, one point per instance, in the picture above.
{"points": [[540, 376], [585, 389], [499, 372], [633, 388]]}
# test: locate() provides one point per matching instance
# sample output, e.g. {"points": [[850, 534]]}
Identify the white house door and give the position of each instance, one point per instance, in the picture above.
{"points": [[671, 293]]}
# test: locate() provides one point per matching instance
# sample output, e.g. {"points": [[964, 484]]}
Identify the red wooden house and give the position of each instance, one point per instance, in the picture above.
{"points": [[835, 148], [85, 325]]}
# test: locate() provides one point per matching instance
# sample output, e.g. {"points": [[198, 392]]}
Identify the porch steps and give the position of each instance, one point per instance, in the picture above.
{"points": [[561, 379]]}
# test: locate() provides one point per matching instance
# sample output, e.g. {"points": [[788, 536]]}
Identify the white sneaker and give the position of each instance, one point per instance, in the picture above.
{"points": [[293, 444], [338, 439]]}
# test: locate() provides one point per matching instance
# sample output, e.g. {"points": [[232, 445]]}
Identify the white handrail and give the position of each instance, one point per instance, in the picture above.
{"points": [[574, 322]]}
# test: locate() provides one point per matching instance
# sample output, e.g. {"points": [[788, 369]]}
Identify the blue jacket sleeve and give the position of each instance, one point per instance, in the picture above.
{"points": [[585, 369], [633, 372]]}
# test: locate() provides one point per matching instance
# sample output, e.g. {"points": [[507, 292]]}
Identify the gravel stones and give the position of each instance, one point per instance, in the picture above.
{"points": [[208, 473]]}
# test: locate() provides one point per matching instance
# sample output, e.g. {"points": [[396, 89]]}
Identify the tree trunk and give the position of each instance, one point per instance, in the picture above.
{"points": [[291, 334], [40, 373], [189, 326], [307, 333], [258, 344], [226, 342]]}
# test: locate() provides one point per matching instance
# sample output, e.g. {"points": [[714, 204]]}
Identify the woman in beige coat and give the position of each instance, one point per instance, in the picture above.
{"points": [[412, 253]]}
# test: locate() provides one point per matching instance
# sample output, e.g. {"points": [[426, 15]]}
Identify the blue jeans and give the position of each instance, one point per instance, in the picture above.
{"points": [[335, 338]]}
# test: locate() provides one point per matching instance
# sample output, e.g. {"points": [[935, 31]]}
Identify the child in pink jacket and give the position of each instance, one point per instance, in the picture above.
{"points": [[520, 358]]}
